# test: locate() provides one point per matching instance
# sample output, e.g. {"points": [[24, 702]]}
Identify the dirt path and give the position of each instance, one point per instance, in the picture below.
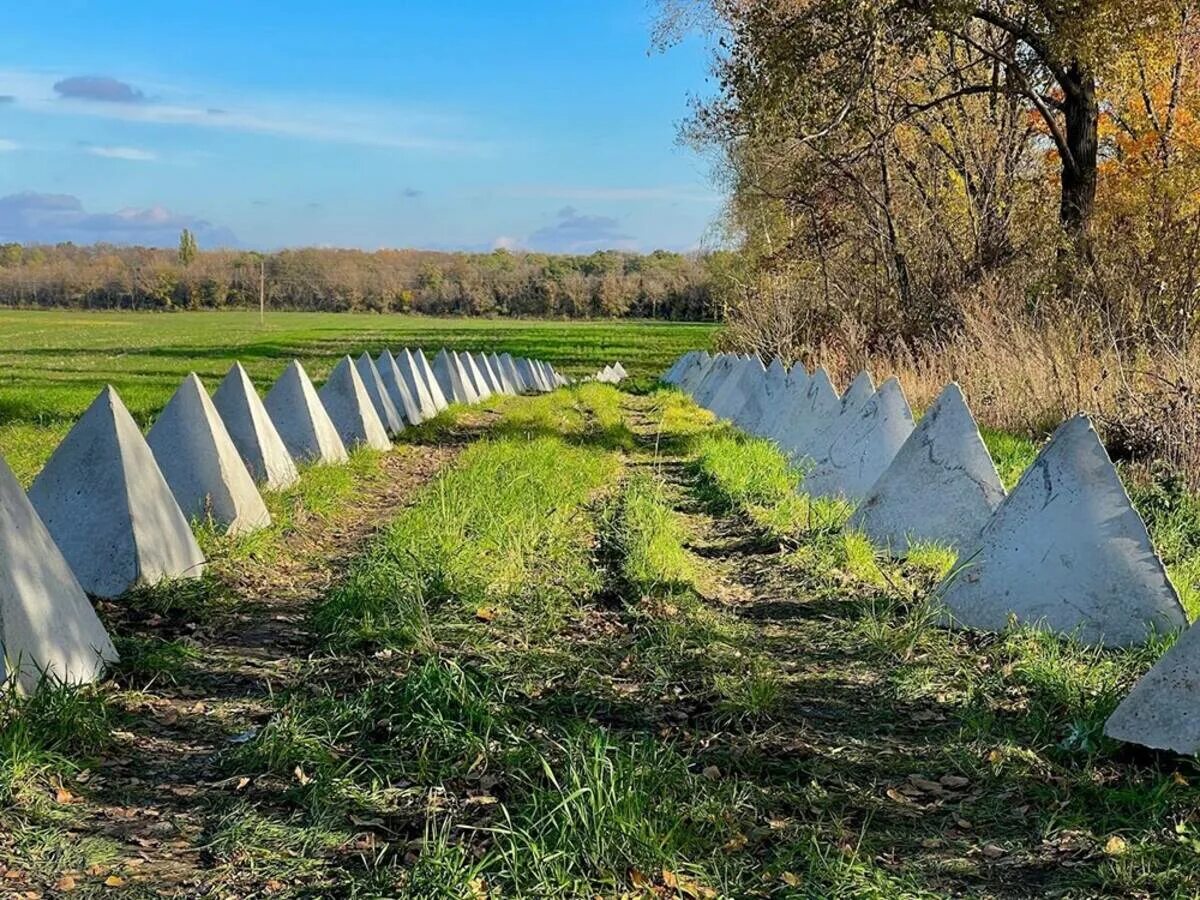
{"points": [[154, 793]]}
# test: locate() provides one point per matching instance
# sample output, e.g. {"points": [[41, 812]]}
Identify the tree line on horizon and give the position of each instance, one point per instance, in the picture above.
{"points": [[604, 284]]}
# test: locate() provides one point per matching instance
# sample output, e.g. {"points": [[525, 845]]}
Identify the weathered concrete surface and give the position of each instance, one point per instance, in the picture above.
{"points": [[425, 371], [821, 432], [620, 370], [351, 410], [109, 509], [791, 404], [416, 387], [451, 378], [202, 465], [723, 368], [763, 398], [301, 419], [691, 378], [478, 380], [252, 431], [47, 625], [819, 406], [387, 411], [541, 376], [530, 376], [941, 488], [733, 395], [1162, 709], [1066, 551], [414, 408], [864, 448]]}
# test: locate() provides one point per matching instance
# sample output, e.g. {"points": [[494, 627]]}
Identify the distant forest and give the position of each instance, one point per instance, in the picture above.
{"points": [[604, 284]]}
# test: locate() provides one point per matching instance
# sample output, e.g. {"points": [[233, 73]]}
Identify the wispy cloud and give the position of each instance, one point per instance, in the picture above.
{"points": [[132, 154], [600, 194], [576, 232], [7, 146], [346, 122]]}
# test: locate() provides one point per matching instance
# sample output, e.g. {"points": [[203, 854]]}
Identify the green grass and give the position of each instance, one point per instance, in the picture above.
{"points": [[55, 362]]}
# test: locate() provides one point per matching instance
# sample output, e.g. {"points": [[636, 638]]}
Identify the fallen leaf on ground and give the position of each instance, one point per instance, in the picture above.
{"points": [[300, 776], [114, 881], [65, 883], [993, 851], [712, 773], [1115, 845]]}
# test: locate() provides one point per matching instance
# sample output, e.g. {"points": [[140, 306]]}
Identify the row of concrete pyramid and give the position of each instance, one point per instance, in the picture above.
{"points": [[613, 374], [110, 510], [1065, 551]]}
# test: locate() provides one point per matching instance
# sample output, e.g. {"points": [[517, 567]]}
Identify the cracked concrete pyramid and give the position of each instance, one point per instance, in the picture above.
{"points": [[202, 465], [1066, 551], [381, 397], [424, 371], [1163, 709], [47, 625], [478, 379], [818, 407], [822, 433], [301, 418], [416, 407], [863, 449], [252, 431], [451, 378], [351, 410], [941, 488], [764, 397], [109, 509]]}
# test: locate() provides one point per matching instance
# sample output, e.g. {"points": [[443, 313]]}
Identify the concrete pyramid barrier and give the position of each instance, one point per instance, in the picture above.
{"points": [[381, 398], [452, 379], [424, 370], [502, 376], [427, 403], [509, 366], [734, 393], [692, 375], [1066, 551], [201, 463], [941, 488], [764, 397], [492, 372], [819, 406], [530, 375], [721, 370], [109, 509], [861, 451], [350, 408], [252, 431], [413, 409], [471, 366], [675, 370], [791, 404], [1161, 711], [620, 370], [301, 419], [822, 432], [48, 628], [542, 376]]}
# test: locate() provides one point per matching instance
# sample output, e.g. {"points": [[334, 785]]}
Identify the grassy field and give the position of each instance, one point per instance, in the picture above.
{"points": [[55, 362], [587, 644]]}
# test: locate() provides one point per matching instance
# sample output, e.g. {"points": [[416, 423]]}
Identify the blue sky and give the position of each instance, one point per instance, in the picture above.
{"points": [[459, 124]]}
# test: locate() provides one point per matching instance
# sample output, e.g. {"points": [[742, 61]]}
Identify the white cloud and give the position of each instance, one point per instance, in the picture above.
{"points": [[7, 146], [342, 122], [133, 154]]}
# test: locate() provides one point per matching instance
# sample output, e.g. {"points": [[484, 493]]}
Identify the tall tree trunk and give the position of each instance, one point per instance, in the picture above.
{"points": [[1082, 114]]}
